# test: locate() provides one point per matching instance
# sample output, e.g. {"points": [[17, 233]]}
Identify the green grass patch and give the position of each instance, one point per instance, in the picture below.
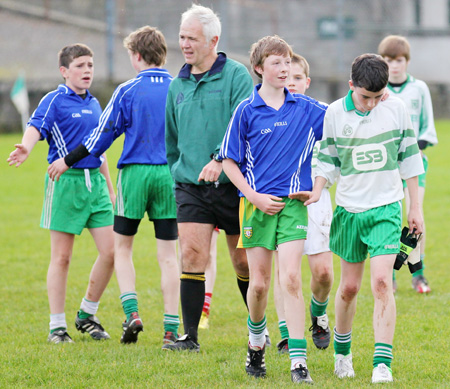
{"points": [[421, 343]]}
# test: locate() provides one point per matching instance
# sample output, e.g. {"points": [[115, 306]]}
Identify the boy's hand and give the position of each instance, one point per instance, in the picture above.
{"points": [[415, 221], [210, 172], [57, 168], [307, 197], [267, 203], [18, 156]]}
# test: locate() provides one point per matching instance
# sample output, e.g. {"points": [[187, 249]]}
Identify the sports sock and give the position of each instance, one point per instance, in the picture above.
{"points": [[382, 354], [171, 323], [318, 308], [192, 295], [243, 282], [57, 322], [420, 272], [207, 303], [129, 303], [87, 308], [342, 342], [297, 352], [257, 332], [284, 332]]}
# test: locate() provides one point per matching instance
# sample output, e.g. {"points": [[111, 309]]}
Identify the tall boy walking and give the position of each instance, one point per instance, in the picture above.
{"points": [[267, 152], [368, 146]]}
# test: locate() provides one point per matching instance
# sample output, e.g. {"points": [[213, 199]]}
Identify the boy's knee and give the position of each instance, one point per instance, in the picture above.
{"points": [[380, 286], [349, 292]]}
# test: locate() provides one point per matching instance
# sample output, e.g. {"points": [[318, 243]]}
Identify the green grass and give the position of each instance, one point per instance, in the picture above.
{"points": [[421, 344]]}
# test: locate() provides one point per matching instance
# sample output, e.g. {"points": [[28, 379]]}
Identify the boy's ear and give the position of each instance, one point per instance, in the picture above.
{"points": [[63, 70], [308, 81], [259, 69], [350, 84]]}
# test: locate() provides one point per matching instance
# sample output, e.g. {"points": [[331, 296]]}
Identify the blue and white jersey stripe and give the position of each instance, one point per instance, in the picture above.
{"points": [[63, 118], [273, 148], [136, 109]]}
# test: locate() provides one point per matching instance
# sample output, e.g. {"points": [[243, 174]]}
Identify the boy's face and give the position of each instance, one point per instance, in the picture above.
{"points": [[196, 50], [275, 70], [79, 74], [397, 68], [363, 99], [297, 80]]}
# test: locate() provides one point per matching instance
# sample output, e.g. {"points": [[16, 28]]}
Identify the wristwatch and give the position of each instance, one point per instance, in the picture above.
{"points": [[215, 157]]}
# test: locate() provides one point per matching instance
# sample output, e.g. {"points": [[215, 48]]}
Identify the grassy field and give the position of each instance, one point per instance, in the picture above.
{"points": [[421, 344]]}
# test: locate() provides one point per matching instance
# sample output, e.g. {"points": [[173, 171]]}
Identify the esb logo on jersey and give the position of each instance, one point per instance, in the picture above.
{"points": [[369, 157]]}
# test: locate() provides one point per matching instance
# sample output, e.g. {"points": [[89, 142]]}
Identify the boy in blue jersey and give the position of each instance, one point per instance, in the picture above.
{"points": [[368, 147], [267, 153], [415, 94], [317, 247], [83, 199], [144, 183]]}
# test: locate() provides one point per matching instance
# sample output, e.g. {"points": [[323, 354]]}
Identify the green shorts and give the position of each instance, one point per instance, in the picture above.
{"points": [[376, 231], [423, 176], [145, 188], [80, 199], [261, 230]]}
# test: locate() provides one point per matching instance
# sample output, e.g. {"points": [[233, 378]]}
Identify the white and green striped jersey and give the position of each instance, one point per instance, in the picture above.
{"points": [[416, 95], [368, 154]]}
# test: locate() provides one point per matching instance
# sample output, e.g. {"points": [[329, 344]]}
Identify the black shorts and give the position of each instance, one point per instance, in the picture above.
{"points": [[209, 204]]}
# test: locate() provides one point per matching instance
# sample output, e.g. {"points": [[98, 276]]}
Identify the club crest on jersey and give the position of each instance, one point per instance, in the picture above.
{"points": [[248, 232], [347, 130], [369, 157], [415, 104], [180, 98]]}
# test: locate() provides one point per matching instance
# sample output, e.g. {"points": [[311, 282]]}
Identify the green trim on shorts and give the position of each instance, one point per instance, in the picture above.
{"points": [[70, 205], [259, 229], [375, 232], [145, 188]]}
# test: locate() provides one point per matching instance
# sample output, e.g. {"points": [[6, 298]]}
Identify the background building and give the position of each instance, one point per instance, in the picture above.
{"points": [[329, 33]]}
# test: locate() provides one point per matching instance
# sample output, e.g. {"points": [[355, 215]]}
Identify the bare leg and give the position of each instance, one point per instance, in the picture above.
{"points": [[104, 265], [170, 278], [61, 254], [290, 258], [195, 241], [277, 295], [260, 266], [346, 295], [123, 264], [384, 312], [322, 276], [211, 268], [238, 256]]}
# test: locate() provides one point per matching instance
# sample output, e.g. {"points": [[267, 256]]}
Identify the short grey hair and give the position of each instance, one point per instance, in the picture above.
{"points": [[207, 18]]}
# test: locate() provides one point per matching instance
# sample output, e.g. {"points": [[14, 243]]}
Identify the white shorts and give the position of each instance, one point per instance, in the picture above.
{"points": [[319, 222]]}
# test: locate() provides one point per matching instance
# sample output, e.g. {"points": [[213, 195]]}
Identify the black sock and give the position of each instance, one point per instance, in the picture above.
{"points": [[192, 294], [243, 282]]}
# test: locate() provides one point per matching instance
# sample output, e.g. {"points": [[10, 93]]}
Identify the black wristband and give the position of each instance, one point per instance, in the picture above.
{"points": [[216, 157], [422, 144], [76, 155]]}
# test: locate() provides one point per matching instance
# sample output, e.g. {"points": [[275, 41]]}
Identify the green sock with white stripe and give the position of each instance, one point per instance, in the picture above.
{"points": [[318, 308], [256, 332], [297, 352], [284, 332], [382, 354], [129, 303], [171, 323], [342, 342]]}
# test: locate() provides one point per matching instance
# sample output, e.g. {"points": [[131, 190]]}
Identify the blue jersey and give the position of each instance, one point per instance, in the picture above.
{"points": [[63, 118], [137, 108], [274, 148]]}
